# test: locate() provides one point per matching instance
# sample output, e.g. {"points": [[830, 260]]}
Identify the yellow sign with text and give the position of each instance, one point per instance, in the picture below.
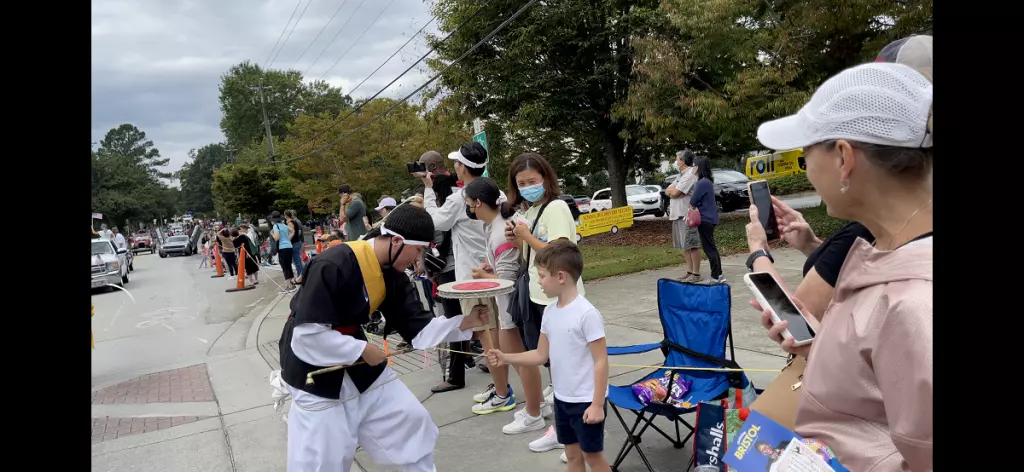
{"points": [[597, 222], [776, 165]]}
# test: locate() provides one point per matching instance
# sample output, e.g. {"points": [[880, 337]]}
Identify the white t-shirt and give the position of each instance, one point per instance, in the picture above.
{"points": [[120, 242], [684, 183], [570, 330]]}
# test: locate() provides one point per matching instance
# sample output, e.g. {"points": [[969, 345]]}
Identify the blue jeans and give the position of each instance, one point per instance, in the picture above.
{"points": [[297, 257]]}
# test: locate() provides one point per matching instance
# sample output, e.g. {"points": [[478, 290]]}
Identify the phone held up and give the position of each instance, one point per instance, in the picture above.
{"points": [[772, 297], [416, 167], [761, 198]]}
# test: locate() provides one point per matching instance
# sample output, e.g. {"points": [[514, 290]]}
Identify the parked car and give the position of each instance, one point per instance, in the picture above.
{"points": [[664, 198], [142, 241], [179, 245], [642, 199], [583, 203], [568, 199], [730, 189], [109, 264]]}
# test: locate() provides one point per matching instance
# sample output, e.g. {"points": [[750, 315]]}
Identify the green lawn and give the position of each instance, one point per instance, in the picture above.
{"points": [[605, 260]]}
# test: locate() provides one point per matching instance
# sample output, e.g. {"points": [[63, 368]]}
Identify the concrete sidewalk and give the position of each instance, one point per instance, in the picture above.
{"points": [[236, 429]]}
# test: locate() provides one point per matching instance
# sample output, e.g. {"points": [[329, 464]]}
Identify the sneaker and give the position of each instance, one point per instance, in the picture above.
{"points": [[692, 278], [546, 442], [549, 393], [719, 280], [484, 395], [565, 460], [547, 410], [495, 404], [524, 423], [483, 367]]}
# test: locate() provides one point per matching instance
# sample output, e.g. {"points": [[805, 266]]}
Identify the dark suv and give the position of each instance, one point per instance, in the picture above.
{"points": [[575, 210], [730, 189]]}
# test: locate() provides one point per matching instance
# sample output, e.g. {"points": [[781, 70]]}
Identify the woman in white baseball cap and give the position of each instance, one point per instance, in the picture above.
{"points": [[867, 389]]}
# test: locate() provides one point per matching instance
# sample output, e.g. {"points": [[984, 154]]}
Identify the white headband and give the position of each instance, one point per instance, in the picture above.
{"points": [[456, 155], [410, 242]]}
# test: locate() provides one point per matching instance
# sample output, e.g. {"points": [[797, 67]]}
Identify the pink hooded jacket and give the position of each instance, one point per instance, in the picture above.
{"points": [[867, 388]]}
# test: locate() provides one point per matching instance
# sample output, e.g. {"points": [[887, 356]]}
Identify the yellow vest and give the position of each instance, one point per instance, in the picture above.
{"points": [[373, 278]]}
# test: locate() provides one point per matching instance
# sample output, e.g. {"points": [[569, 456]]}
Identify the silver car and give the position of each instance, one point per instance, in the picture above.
{"points": [[109, 265]]}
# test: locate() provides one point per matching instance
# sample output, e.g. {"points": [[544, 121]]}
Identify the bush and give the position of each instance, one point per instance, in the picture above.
{"points": [[790, 184]]}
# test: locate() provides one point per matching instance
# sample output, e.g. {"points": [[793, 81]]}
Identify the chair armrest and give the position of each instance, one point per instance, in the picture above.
{"points": [[634, 349]]}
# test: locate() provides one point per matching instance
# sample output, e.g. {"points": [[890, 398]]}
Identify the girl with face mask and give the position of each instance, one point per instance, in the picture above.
{"points": [[485, 202], [533, 188]]}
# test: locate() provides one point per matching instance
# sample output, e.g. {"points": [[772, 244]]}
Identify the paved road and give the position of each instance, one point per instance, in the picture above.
{"points": [[179, 314]]}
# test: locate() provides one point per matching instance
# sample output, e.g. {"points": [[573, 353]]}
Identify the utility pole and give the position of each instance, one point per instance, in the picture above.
{"points": [[266, 123]]}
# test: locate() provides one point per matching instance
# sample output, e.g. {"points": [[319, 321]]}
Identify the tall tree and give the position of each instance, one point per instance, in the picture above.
{"points": [[196, 177], [722, 67], [562, 67], [245, 188], [131, 142], [285, 96]]}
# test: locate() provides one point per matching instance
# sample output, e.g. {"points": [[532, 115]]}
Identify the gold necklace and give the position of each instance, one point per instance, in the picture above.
{"points": [[912, 215]]}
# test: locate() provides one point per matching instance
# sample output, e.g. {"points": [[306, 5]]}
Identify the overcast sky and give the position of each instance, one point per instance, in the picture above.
{"points": [[157, 63]]}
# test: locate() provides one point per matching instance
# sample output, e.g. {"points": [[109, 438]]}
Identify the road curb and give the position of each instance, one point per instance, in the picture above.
{"points": [[254, 329]]}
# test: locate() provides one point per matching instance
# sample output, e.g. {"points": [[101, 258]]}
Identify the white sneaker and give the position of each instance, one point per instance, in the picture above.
{"points": [[547, 410], [484, 395], [524, 423], [565, 460], [548, 391], [546, 442]]}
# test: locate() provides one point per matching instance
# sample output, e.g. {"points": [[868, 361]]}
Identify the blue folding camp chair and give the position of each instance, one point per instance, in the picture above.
{"points": [[696, 322]]}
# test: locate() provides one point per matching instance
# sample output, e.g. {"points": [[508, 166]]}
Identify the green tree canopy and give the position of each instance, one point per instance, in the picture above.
{"points": [[196, 177], [286, 97], [126, 184]]}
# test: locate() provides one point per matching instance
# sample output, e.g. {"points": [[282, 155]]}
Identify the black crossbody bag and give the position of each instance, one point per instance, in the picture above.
{"points": [[519, 304]]}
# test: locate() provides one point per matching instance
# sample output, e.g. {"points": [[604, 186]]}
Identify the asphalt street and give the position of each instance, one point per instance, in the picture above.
{"points": [[174, 313]]}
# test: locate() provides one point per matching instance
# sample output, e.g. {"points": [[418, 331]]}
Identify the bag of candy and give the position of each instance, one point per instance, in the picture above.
{"points": [[678, 388], [650, 391]]}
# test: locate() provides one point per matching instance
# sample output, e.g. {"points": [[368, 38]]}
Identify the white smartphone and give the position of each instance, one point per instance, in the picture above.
{"points": [[770, 294]]}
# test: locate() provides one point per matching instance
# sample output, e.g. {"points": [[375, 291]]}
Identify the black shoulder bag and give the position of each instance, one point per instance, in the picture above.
{"points": [[519, 304]]}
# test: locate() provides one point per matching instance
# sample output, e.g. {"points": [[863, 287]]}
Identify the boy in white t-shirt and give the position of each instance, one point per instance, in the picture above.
{"points": [[572, 335]]}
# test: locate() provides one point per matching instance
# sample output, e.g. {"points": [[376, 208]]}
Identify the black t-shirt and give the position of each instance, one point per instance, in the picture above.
{"points": [[828, 258], [296, 225]]}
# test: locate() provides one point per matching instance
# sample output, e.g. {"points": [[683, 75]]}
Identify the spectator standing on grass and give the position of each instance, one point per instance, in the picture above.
{"points": [[282, 234], [684, 236], [572, 336], [298, 242], [703, 199], [533, 187], [868, 382]]}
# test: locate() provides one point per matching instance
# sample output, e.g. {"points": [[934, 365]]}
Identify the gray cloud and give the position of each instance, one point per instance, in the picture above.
{"points": [[157, 64]]}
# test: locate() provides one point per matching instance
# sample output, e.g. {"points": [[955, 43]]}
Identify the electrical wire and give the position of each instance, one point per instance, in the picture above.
{"points": [[375, 20], [320, 33], [389, 84], [407, 97], [297, 20], [335, 38], [267, 60]]}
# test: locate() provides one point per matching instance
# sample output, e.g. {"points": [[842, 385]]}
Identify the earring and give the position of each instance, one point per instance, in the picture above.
{"points": [[844, 185]]}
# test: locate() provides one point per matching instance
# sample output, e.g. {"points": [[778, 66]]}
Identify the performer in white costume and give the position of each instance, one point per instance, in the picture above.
{"points": [[362, 404]]}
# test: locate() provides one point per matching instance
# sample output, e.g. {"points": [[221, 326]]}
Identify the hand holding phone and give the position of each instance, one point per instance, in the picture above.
{"points": [[773, 298], [761, 198]]}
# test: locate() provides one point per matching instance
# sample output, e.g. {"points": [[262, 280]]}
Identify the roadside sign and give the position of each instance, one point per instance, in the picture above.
{"points": [[776, 165], [597, 222], [481, 137]]}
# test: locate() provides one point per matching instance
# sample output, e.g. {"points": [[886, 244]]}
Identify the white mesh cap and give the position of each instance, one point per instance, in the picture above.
{"points": [[878, 103]]}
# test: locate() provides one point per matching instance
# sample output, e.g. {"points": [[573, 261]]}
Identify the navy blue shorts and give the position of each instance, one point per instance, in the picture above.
{"points": [[570, 428]]}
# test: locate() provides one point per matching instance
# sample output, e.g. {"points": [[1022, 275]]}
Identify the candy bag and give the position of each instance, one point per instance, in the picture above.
{"points": [[677, 388], [650, 391]]}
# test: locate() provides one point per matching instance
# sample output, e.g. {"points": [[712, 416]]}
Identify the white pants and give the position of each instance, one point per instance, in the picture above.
{"points": [[387, 421]]}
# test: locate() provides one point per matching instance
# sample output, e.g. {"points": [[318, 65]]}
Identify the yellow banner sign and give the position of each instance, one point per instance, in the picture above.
{"points": [[776, 165], [597, 222]]}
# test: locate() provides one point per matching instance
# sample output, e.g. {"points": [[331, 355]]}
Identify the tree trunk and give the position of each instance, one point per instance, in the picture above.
{"points": [[612, 148]]}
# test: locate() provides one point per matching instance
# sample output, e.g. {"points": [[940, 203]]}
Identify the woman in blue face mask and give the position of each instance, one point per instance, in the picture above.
{"points": [[543, 218]]}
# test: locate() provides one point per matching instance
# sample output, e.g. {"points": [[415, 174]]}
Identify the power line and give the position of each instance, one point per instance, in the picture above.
{"points": [[318, 34], [357, 39], [335, 38], [406, 71], [297, 20], [267, 60], [421, 87]]}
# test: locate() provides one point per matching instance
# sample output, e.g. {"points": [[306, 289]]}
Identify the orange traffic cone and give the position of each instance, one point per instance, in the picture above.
{"points": [[240, 285], [218, 262]]}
